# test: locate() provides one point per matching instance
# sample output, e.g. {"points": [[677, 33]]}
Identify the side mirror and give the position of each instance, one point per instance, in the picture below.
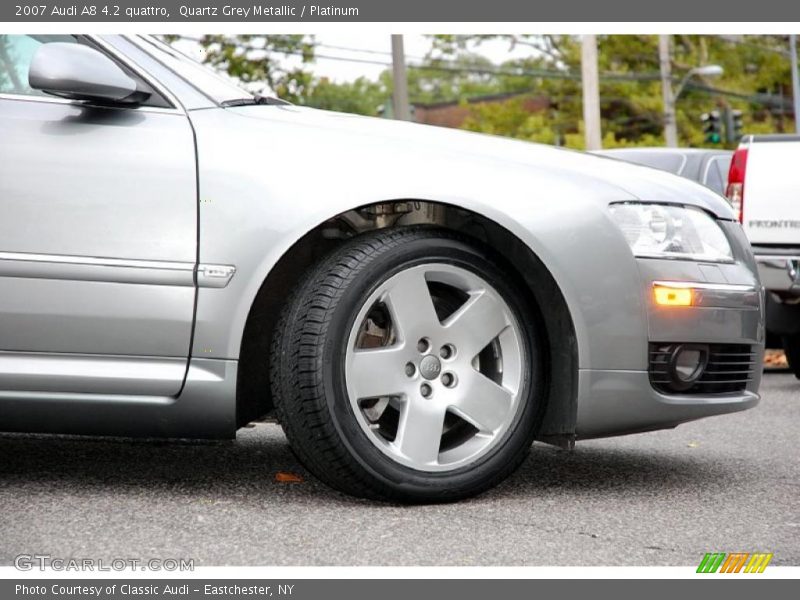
{"points": [[79, 72]]}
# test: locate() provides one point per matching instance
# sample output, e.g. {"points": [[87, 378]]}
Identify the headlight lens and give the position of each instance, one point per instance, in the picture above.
{"points": [[668, 231]]}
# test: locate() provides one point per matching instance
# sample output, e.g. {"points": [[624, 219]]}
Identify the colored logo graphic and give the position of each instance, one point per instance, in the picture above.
{"points": [[736, 562]]}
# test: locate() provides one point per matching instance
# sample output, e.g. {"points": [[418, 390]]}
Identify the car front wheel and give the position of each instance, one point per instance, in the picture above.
{"points": [[407, 366]]}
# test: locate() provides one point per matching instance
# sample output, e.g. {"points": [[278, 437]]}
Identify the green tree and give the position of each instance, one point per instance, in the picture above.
{"points": [[278, 62], [756, 80], [756, 69], [362, 96]]}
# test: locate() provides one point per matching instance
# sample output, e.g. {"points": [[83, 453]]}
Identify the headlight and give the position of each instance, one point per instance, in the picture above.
{"points": [[667, 231]]}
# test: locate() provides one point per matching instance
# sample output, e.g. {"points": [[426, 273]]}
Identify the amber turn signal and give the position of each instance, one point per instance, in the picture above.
{"points": [[672, 296]]}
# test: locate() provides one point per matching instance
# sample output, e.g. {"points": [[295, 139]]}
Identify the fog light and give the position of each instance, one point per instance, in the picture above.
{"points": [[687, 364]]}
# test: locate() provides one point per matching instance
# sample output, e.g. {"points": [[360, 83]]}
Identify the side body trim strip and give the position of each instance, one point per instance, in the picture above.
{"points": [[113, 270]]}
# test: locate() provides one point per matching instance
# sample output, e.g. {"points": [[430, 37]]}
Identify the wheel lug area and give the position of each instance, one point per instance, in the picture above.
{"points": [[430, 366], [447, 351], [449, 379], [423, 345]]}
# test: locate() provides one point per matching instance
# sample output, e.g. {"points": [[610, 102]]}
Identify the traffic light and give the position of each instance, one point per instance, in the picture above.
{"points": [[734, 123], [712, 126]]}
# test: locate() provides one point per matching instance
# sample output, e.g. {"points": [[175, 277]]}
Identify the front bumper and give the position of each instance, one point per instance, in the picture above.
{"points": [[728, 309], [621, 402]]}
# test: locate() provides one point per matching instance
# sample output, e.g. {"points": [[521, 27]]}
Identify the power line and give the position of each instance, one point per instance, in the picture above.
{"points": [[441, 66], [363, 51], [764, 99], [738, 42]]}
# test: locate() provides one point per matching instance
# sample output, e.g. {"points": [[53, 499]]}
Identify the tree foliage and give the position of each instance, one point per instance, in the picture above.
{"points": [[276, 62], [756, 80], [362, 96]]}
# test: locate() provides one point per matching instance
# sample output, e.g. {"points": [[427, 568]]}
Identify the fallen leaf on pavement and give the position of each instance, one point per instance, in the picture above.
{"points": [[775, 359]]}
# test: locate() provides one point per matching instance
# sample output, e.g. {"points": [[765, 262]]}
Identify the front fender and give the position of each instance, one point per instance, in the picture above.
{"points": [[261, 191]]}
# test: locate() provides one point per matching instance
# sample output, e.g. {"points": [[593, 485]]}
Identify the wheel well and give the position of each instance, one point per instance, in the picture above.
{"points": [[253, 395]]}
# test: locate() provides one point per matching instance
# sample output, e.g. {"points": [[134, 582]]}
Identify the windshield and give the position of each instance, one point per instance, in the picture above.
{"points": [[217, 87]]}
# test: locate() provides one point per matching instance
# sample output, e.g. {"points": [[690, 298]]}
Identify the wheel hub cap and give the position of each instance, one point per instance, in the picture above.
{"points": [[430, 367]]}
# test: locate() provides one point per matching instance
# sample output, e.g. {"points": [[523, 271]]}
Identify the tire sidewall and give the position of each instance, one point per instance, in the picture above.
{"points": [[517, 439]]}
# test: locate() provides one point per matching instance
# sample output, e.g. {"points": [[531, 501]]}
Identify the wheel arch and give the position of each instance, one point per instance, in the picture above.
{"points": [[252, 396]]}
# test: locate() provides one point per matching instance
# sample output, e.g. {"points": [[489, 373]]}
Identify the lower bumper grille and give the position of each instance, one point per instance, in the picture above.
{"points": [[726, 368]]}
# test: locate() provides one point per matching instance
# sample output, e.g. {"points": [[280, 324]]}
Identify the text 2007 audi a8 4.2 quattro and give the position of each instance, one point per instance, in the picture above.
{"points": [[179, 257]]}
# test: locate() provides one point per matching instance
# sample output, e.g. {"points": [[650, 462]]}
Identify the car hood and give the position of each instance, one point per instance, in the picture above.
{"points": [[643, 183]]}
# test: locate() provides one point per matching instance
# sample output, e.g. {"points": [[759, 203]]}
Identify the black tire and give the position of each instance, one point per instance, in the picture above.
{"points": [[791, 347], [307, 369]]}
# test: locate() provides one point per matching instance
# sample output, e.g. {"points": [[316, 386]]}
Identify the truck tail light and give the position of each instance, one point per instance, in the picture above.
{"points": [[735, 190]]}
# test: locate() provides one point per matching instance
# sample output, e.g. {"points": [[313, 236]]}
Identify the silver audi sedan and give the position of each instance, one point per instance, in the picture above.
{"points": [[179, 257]]}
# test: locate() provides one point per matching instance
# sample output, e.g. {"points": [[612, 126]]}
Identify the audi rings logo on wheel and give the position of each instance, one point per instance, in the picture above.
{"points": [[430, 367]]}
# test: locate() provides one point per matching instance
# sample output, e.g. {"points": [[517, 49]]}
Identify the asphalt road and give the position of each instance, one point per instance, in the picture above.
{"points": [[724, 484]]}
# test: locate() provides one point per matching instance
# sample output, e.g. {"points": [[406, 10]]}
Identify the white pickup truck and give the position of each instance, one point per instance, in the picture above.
{"points": [[763, 191]]}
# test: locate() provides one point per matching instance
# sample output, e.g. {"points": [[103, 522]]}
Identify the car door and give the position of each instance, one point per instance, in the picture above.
{"points": [[98, 238]]}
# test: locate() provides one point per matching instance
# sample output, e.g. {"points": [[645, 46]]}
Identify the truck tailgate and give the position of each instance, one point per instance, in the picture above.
{"points": [[772, 192]]}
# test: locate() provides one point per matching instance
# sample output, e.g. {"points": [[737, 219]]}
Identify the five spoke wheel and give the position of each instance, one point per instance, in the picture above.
{"points": [[433, 367]]}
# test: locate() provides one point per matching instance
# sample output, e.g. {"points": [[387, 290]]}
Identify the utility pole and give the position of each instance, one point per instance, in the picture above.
{"points": [[402, 110], [591, 93], [665, 64], [795, 82]]}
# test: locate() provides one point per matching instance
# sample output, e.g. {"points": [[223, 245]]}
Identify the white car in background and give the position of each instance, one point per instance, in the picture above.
{"points": [[703, 165]]}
